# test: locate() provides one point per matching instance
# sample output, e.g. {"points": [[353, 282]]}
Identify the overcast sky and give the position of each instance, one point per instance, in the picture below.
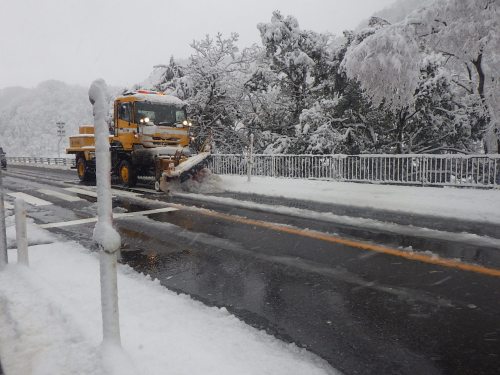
{"points": [[77, 41]]}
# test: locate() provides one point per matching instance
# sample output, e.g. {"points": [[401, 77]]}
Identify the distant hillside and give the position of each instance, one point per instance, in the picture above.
{"points": [[28, 117]]}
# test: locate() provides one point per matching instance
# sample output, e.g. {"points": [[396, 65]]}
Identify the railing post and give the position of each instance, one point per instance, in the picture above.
{"points": [[21, 235], [424, 171], [495, 165], [343, 168], [250, 159]]}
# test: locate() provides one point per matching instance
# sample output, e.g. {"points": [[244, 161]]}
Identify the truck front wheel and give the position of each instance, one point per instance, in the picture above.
{"points": [[82, 169], [127, 174]]}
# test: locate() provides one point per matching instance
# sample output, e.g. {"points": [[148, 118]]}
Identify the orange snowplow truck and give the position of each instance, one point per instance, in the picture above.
{"points": [[150, 136]]}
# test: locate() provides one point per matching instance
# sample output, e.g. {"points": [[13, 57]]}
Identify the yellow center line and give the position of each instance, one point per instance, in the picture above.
{"points": [[421, 257]]}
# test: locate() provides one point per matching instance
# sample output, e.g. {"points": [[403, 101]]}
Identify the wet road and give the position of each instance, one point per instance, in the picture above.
{"points": [[364, 311]]}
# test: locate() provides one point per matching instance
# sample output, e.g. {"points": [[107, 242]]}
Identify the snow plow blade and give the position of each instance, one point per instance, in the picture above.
{"points": [[186, 165]]}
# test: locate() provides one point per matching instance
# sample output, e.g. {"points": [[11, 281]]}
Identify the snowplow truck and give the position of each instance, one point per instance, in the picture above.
{"points": [[150, 136]]}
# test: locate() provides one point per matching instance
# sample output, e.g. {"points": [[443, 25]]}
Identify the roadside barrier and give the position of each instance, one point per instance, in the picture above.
{"points": [[481, 171], [417, 169], [63, 162]]}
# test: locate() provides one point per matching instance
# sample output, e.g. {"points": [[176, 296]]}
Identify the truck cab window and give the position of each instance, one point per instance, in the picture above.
{"points": [[124, 112]]}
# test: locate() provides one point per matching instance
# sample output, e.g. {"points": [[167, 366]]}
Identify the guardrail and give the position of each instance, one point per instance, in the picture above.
{"points": [[64, 162], [418, 169]]}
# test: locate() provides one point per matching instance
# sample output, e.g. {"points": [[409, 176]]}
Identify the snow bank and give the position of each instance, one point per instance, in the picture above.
{"points": [[50, 323], [467, 204], [35, 234]]}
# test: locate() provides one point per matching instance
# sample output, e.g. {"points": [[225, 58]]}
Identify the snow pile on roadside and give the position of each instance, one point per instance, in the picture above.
{"points": [[36, 235], [467, 204], [50, 323]]}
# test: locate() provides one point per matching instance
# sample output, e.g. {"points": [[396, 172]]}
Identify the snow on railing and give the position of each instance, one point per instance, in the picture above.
{"points": [[65, 162], [409, 169]]}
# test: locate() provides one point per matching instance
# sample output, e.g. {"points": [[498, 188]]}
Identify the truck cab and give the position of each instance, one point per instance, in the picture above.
{"points": [[150, 120]]}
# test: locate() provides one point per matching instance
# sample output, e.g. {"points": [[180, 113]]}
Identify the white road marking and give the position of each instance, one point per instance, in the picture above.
{"points": [[34, 201], [147, 212], [125, 193], [66, 197], [115, 216], [82, 191], [92, 193], [68, 223]]}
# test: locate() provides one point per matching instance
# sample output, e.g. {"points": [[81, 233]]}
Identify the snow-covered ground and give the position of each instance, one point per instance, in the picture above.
{"points": [[467, 204], [50, 323]]}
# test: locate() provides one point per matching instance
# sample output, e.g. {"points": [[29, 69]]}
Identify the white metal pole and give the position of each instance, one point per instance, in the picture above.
{"points": [[3, 233], [21, 234], [250, 159], [105, 235]]}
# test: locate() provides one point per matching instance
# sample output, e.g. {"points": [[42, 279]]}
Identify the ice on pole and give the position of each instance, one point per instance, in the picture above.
{"points": [[105, 235]]}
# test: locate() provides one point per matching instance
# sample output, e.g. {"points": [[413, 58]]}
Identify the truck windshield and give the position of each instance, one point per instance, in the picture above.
{"points": [[159, 114]]}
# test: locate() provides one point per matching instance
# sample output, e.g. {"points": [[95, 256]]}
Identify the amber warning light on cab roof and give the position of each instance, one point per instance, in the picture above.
{"points": [[149, 92]]}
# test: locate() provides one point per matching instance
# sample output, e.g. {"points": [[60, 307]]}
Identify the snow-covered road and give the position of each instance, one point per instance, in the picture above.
{"points": [[364, 311]]}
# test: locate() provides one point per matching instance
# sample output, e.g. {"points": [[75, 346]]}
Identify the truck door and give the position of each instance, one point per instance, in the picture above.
{"points": [[125, 128]]}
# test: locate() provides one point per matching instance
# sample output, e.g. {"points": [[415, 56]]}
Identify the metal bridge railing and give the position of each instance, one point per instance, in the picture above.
{"points": [[417, 169], [63, 162]]}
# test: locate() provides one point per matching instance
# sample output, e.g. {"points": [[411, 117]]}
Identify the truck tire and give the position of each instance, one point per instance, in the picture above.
{"points": [[127, 173], [84, 175]]}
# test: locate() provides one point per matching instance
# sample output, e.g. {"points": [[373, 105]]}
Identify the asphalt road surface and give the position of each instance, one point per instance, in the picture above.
{"points": [[352, 296]]}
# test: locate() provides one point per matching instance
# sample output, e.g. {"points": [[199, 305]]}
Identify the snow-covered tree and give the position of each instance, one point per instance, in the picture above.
{"points": [[402, 87], [435, 122], [168, 79], [294, 70], [216, 74], [390, 63], [341, 118], [468, 34], [298, 58], [285, 45], [387, 65], [267, 108]]}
